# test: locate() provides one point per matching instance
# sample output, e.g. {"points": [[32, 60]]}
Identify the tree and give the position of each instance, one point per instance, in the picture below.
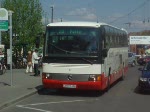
{"points": [[26, 22]]}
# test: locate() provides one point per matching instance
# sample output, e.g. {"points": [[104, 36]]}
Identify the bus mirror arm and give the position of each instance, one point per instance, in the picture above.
{"points": [[104, 52]]}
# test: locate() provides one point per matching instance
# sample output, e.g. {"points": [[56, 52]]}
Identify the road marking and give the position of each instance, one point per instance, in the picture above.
{"points": [[41, 110], [51, 103], [27, 106]]}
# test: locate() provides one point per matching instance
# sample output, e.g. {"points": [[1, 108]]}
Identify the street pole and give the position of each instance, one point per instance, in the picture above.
{"points": [[0, 38], [10, 29], [52, 7], [0, 31]]}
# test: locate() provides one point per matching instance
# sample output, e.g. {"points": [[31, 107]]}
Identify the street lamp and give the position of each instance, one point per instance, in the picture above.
{"points": [[52, 7], [10, 53]]}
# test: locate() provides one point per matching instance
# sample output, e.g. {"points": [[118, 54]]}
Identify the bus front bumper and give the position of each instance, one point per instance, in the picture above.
{"points": [[56, 84]]}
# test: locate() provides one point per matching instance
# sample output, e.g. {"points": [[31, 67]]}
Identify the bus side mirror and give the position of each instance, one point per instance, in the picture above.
{"points": [[104, 52]]}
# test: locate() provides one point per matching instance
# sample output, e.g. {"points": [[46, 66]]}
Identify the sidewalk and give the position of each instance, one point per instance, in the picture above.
{"points": [[23, 86]]}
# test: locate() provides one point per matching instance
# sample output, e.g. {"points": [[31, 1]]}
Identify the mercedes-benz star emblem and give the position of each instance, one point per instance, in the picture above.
{"points": [[69, 77]]}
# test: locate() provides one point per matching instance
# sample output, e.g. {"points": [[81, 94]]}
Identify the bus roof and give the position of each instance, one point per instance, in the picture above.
{"points": [[82, 24]]}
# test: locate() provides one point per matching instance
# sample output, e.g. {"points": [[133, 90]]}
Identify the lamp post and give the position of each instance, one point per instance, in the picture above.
{"points": [[52, 7], [0, 31], [10, 28]]}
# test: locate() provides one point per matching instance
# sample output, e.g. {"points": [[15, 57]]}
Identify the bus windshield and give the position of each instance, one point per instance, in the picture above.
{"points": [[71, 41]]}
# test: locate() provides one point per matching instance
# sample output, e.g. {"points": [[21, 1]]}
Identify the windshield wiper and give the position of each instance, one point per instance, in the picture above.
{"points": [[87, 61], [67, 52], [59, 48]]}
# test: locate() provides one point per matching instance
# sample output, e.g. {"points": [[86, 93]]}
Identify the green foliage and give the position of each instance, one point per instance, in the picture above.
{"points": [[26, 22]]}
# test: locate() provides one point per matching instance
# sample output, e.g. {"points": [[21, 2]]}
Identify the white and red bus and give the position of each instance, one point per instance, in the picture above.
{"points": [[84, 55]]}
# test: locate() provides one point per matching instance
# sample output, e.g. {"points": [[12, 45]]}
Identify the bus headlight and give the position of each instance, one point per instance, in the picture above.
{"points": [[94, 78], [46, 76]]}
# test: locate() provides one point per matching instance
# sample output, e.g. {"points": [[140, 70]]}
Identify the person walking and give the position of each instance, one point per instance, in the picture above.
{"points": [[29, 62], [35, 59]]}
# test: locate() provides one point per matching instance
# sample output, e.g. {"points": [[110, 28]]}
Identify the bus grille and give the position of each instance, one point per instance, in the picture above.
{"points": [[70, 77]]}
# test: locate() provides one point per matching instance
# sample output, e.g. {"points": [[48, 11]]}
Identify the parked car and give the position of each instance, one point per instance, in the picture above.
{"points": [[131, 59], [144, 79], [143, 60]]}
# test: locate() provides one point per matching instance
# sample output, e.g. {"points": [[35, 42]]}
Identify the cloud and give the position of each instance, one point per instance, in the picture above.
{"points": [[78, 12], [83, 13]]}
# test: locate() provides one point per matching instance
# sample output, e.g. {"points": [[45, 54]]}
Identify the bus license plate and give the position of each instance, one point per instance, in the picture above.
{"points": [[69, 86]]}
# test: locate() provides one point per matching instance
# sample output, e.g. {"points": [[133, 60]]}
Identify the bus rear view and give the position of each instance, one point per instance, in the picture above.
{"points": [[74, 56]]}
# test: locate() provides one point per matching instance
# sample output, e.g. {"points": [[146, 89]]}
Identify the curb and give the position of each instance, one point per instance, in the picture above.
{"points": [[9, 103]]}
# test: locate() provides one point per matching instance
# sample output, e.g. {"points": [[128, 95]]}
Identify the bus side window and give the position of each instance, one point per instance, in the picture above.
{"points": [[104, 43], [107, 42], [103, 38]]}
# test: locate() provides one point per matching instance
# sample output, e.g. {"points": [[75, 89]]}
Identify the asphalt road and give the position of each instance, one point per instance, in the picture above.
{"points": [[122, 97]]}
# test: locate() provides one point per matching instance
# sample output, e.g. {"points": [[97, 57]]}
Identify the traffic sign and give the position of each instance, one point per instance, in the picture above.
{"points": [[3, 14], [3, 25], [3, 19]]}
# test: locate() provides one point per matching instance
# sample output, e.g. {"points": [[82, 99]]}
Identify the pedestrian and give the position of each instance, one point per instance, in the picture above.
{"points": [[29, 62], [35, 59], [32, 59]]}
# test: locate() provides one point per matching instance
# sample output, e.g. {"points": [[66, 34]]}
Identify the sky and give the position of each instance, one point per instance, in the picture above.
{"points": [[132, 15]]}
